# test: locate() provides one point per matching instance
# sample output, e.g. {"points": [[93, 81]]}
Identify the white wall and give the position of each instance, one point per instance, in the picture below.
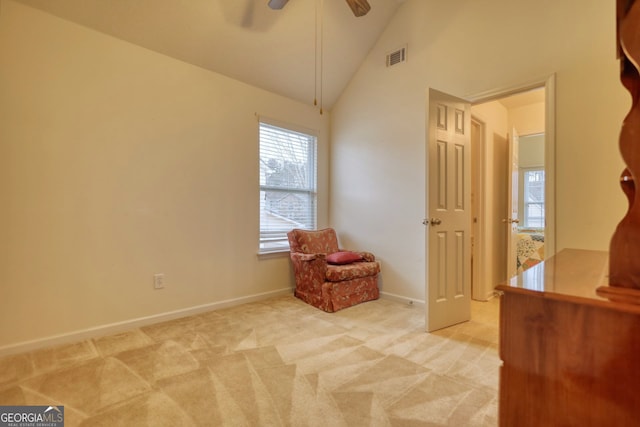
{"points": [[117, 163], [468, 48]]}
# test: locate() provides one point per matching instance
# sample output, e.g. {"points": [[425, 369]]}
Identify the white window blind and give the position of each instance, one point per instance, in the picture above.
{"points": [[533, 198], [287, 185]]}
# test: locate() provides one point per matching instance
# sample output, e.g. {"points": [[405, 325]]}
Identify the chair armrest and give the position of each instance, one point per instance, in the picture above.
{"points": [[304, 257], [367, 256], [310, 266], [310, 271]]}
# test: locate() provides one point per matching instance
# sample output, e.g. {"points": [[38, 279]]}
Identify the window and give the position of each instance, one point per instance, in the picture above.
{"points": [[287, 185], [533, 191]]}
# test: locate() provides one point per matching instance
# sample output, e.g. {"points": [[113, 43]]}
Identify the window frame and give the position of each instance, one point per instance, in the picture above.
{"points": [[275, 240]]}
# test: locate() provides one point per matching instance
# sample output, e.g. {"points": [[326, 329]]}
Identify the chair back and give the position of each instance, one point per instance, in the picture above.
{"points": [[313, 241]]}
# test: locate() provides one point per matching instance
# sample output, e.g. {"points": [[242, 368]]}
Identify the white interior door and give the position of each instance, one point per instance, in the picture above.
{"points": [[449, 222], [513, 192]]}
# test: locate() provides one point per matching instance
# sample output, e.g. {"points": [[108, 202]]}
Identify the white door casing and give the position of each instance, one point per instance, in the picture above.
{"points": [[511, 220], [549, 85], [449, 223], [478, 255]]}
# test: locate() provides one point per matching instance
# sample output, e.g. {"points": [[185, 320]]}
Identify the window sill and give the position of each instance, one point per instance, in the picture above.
{"points": [[276, 253]]}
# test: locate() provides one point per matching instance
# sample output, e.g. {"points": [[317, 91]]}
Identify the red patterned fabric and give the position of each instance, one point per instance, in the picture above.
{"points": [[330, 287], [313, 242], [337, 273]]}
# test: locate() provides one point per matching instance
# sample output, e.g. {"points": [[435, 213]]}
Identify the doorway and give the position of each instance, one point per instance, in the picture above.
{"points": [[529, 111]]}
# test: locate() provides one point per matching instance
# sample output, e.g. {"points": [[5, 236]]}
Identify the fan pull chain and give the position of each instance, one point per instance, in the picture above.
{"points": [[319, 57], [315, 62], [321, 50]]}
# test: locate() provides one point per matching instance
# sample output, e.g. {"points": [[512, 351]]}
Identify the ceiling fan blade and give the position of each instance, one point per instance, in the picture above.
{"points": [[277, 4], [359, 7]]}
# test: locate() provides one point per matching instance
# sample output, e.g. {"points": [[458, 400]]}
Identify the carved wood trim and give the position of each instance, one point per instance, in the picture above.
{"points": [[624, 253]]}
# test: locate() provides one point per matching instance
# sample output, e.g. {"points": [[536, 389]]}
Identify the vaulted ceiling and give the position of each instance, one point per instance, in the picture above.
{"points": [[244, 39]]}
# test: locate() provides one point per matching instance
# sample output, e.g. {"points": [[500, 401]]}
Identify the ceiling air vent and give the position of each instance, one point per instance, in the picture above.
{"points": [[397, 56]]}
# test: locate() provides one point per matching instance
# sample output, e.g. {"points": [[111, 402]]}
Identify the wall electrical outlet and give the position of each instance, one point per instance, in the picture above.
{"points": [[158, 281]]}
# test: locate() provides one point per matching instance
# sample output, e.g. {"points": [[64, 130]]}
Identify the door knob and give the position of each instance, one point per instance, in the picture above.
{"points": [[511, 221], [432, 221]]}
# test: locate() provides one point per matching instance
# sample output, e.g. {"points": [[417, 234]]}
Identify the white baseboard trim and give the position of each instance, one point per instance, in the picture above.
{"points": [[403, 300], [114, 328], [492, 294]]}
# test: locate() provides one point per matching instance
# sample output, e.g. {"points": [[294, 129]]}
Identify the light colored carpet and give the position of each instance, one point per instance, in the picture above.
{"points": [[278, 362]]}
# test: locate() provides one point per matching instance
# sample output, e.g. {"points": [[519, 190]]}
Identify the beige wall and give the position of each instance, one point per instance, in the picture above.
{"points": [[117, 163], [498, 124], [528, 119], [466, 49], [495, 118]]}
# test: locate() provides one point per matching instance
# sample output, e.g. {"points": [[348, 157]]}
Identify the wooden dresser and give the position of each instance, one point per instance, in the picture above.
{"points": [[570, 326], [570, 357]]}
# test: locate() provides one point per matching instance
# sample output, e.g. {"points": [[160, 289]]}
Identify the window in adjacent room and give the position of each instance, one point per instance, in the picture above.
{"points": [[287, 185], [533, 183]]}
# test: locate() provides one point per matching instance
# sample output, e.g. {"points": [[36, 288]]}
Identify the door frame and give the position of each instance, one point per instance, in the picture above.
{"points": [[478, 270], [513, 202], [548, 83]]}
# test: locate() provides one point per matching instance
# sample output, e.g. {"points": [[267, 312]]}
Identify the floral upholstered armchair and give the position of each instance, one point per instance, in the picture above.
{"points": [[328, 277]]}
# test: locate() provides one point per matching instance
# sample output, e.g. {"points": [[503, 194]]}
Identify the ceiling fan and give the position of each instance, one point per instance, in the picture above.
{"points": [[358, 7]]}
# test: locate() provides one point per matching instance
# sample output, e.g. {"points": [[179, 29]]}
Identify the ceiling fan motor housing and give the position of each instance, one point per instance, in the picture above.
{"points": [[358, 7], [277, 4]]}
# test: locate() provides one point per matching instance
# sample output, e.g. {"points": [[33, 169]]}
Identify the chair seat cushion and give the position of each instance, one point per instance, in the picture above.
{"points": [[338, 273]]}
